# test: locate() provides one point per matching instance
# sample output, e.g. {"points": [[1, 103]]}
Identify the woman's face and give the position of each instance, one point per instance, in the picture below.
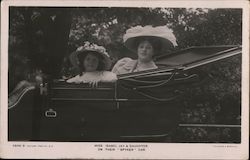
{"points": [[90, 62], [145, 51]]}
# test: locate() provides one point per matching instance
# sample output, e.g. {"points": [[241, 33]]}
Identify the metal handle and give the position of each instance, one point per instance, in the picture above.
{"points": [[44, 89], [50, 113]]}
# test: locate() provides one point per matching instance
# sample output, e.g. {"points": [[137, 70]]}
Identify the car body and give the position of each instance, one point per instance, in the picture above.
{"points": [[141, 106]]}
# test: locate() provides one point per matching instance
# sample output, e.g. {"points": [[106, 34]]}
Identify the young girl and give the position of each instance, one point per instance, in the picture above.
{"points": [[93, 62]]}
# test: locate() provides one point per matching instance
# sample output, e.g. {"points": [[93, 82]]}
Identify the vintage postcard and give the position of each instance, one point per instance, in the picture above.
{"points": [[124, 79]]}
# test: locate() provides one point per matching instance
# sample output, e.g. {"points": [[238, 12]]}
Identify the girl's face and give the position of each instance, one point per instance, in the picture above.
{"points": [[90, 62], [145, 51]]}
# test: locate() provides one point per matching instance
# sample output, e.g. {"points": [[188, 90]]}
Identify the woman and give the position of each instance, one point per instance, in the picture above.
{"points": [[93, 62], [147, 42]]}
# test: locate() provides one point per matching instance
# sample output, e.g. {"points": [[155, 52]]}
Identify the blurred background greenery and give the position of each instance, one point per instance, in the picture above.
{"points": [[40, 38]]}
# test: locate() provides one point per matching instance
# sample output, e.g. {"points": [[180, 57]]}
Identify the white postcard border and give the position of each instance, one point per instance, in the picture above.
{"points": [[153, 150]]}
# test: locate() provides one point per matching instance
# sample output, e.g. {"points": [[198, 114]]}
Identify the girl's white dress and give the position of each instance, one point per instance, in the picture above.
{"points": [[97, 76]]}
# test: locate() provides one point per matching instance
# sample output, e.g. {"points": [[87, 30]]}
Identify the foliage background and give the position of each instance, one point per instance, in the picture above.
{"points": [[40, 38]]}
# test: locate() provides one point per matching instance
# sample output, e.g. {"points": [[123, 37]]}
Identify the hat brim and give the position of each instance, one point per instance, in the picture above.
{"points": [[106, 59], [132, 43]]}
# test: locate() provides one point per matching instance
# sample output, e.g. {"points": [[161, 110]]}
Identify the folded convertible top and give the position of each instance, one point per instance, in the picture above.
{"points": [[187, 59]]}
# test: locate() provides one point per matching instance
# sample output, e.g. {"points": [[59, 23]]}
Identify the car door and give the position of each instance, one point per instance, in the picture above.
{"points": [[78, 112]]}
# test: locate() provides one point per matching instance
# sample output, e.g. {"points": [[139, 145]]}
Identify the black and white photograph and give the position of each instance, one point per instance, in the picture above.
{"points": [[124, 75]]}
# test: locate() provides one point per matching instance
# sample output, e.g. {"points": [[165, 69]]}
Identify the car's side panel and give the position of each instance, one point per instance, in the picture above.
{"points": [[21, 119], [78, 113]]}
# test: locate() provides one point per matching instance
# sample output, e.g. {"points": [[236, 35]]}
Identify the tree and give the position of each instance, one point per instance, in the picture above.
{"points": [[42, 33]]}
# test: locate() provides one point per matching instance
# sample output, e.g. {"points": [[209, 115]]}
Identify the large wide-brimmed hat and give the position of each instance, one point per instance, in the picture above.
{"points": [[161, 35], [91, 47]]}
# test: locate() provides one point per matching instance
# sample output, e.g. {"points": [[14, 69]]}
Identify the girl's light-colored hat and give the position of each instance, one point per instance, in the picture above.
{"points": [[162, 34], [91, 47]]}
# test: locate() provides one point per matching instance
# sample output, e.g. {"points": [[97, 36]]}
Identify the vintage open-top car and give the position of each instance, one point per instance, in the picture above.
{"points": [[140, 106]]}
